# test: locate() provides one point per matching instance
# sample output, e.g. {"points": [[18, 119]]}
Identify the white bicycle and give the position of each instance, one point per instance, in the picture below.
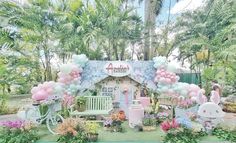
{"points": [[52, 117]]}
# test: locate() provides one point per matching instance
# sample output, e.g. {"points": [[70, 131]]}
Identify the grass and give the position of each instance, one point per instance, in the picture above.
{"points": [[128, 136]]}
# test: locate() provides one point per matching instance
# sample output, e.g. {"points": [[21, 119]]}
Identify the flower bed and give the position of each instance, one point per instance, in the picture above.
{"points": [[18, 132]]}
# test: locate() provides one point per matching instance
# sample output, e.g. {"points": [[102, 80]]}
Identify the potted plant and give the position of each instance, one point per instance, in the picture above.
{"points": [[149, 122], [81, 103], [92, 131]]}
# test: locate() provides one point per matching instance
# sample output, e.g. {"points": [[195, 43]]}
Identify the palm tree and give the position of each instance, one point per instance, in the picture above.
{"points": [[151, 10]]}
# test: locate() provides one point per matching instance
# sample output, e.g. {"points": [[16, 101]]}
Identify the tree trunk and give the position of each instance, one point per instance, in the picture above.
{"points": [[150, 21], [48, 70], [38, 69], [122, 54], [132, 52], [114, 47], [109, 51]]}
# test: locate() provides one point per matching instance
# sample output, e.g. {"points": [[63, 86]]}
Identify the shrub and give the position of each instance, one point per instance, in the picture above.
{"points": [[224, 134], [183, 135], [72, 131]]}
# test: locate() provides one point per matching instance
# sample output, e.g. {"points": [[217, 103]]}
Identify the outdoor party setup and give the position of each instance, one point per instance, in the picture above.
{"points": [[118, 91]]}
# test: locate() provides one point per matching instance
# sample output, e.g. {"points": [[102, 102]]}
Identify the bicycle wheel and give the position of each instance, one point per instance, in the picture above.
{"points": [[53, 121]]}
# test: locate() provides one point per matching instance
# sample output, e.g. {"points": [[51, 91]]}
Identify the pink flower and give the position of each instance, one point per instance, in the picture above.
{"points": [[165, 126], [174, 124], [13, 124]]}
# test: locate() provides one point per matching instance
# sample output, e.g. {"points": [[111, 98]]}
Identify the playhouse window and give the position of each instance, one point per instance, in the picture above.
{"points": [[107, 91]]}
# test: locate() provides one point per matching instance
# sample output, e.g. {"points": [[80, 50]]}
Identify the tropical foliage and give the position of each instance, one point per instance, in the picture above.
{"points": [[206, 38], [36, 35]]}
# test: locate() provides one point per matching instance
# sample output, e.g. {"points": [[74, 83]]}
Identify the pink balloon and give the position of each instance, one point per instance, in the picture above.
{"points": [[49, 91], [194, 99], [40, 86], [61, 80], [192, 94], [162, 74], [162, 70], [42, 93], [194, 87], [39, 97], [34, 90], [158, 72], [162, 80], [167, 80], [51, 83]]}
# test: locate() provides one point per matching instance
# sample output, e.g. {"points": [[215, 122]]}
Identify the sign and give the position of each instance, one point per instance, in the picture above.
{"points": [[117, 68]]}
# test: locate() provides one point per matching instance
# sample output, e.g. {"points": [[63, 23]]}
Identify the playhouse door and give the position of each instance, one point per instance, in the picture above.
{"points": [[126, 100]]}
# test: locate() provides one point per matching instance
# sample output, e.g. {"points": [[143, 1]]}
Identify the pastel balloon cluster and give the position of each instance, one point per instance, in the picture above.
{"points": [[167, 82], [69, 74], [47, 90], [165, 77], [69, 80]]}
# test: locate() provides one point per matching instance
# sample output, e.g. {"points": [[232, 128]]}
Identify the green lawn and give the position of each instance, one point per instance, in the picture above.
{"points": [[128, 136]]}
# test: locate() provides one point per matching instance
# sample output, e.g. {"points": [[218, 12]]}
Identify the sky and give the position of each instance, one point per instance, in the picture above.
{"points": [[176, 9]]}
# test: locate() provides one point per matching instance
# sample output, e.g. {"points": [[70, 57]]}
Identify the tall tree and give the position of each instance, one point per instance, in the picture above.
{"points": [[151, 10]]}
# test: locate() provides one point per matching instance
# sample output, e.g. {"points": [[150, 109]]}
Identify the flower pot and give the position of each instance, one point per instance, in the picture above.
{"points": [[92, 137], [117, 129], [149, 128]]}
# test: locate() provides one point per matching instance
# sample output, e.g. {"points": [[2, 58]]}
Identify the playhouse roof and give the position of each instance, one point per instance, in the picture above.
{"points": [[142, 72]]}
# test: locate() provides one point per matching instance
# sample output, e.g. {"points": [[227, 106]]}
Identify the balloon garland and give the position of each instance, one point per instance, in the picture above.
{"points": [[167, 82], [69, 80]]}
